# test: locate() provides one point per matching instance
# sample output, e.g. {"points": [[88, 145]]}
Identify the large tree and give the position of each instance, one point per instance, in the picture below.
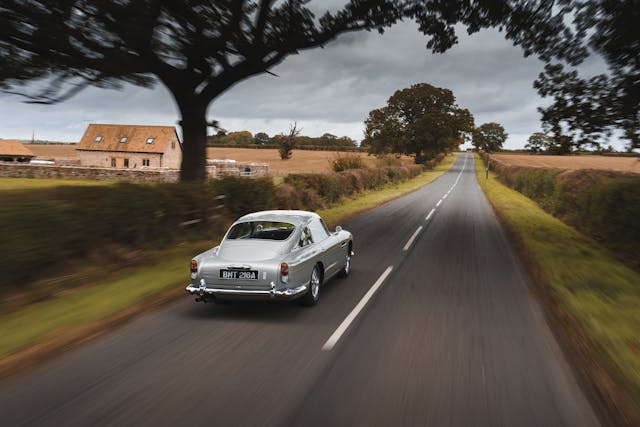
{"points": [[489, 137], [200, 48], [589, 108], [422, 120]]}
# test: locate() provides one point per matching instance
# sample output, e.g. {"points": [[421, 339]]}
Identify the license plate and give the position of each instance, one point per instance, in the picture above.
{"points": [[239, 274]]}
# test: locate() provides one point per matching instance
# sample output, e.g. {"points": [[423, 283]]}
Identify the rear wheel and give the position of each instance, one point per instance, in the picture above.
{"points": [[313, 293]]}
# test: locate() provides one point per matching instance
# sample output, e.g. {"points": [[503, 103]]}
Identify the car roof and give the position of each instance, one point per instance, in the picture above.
{"points": [[291, 216]]}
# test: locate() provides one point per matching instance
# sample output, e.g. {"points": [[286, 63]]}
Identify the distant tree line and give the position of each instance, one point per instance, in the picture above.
{"points": [[261, 138], [541, 142]]}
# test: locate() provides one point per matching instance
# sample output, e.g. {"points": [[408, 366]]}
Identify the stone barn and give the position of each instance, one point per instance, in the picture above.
{"points": [[130, 147]]}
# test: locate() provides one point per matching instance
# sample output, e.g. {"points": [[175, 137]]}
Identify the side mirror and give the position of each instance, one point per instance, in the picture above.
{"points": [[338, 229]]}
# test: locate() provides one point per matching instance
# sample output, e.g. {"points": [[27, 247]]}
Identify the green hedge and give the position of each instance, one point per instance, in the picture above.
{"points": [[315, 191], [41, 228], [603, 204]]}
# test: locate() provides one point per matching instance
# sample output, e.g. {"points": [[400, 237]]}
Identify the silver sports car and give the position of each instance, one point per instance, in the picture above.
{"points": [[272, 254]]}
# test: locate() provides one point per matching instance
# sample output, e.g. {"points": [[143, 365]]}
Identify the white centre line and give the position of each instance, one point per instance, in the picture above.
{"points": [[430, 215], [415, 234], [333, 339], [337, 334]]}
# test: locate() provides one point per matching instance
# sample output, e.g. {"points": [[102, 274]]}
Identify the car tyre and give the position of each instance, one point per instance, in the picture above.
{"points": [[347, 265], [313, 293]]}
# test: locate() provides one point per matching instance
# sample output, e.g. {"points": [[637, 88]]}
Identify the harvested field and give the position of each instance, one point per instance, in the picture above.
{"points": [[622, 164], [301, 160]]}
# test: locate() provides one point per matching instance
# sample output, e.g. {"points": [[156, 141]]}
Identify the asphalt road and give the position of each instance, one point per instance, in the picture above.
{"points": [[436, 325]]}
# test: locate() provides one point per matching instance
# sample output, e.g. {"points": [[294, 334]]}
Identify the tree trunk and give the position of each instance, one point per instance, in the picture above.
{"points": [[194, 140]]}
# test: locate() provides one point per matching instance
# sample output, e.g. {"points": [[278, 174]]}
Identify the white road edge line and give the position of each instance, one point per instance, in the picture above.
{"points": [[445, 196], [415, 234], [439, 202], [430, 215], [333, 339]]}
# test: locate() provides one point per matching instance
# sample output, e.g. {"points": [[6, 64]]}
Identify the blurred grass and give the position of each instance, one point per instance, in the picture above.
{"points": [[599, 292], [167, 270], [37, 183], [102, 299], [370, 200]]}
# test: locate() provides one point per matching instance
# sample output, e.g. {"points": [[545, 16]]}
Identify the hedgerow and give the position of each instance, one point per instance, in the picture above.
{"points": [[602, 204], [41, 228]]}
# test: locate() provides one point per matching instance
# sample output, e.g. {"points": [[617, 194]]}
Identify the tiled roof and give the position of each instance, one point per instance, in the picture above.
{"points": [[102, 137], [13, 147]]}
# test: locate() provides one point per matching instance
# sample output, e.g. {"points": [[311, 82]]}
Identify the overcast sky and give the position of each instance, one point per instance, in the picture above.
{"points": [[323, 90]]}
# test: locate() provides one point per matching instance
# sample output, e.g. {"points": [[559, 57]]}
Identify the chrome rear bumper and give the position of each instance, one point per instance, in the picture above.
{"points": [[285, 293]]}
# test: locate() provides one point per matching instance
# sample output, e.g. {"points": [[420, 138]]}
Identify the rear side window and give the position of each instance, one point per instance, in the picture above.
{"points": [[305, 238], [261, 230]]}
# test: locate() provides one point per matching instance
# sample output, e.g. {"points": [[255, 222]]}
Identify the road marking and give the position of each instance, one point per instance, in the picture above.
{"points": [[464, 164], [430, 215], [415, 234], [333, 339], [337, 334]]}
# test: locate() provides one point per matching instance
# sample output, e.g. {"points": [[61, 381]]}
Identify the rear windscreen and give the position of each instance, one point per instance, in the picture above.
{"points": [[266, 230]]}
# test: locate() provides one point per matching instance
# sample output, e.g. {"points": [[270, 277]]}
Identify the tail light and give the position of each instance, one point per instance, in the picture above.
{"points": [[194, 266], [284, 272]]}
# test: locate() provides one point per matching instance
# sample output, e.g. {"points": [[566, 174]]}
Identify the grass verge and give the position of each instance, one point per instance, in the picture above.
{"points": [[49, 319], [594, 298], [31, 333]]}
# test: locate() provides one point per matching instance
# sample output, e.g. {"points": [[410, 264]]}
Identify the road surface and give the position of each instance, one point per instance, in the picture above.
{"points": [[436, 325]]}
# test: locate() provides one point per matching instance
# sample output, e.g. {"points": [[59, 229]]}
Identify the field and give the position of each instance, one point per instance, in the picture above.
{"points": [[33, 183], [301, 161], [622, 164]]}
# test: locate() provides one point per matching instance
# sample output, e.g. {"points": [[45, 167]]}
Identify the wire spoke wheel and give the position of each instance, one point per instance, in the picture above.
{"points": [[313, 294]]}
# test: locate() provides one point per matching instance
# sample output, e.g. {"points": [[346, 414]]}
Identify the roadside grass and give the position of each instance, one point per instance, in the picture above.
{"points": [[598, 292], [166, 270], [44, 320], [38, 183], [369, 200]]}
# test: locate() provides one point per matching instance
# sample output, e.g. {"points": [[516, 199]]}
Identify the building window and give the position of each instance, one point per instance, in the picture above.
{"points": [[126, 163], [113, 163], [150, 140], [98, 138], [123, 139], [145, 162]]}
